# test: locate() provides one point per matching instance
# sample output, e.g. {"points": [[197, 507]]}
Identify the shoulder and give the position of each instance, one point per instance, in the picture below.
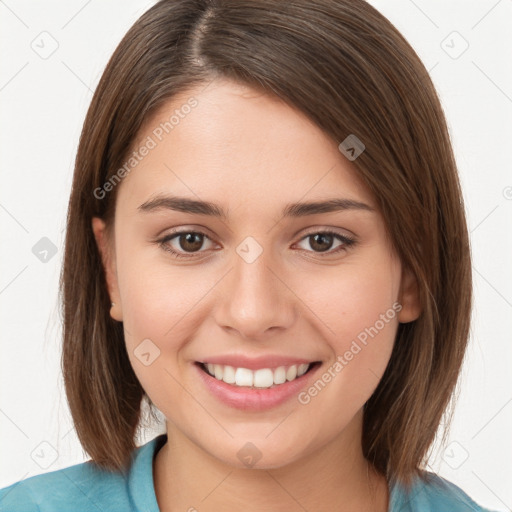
{"points": [[432, 493], [82, 486], [87, 487]]}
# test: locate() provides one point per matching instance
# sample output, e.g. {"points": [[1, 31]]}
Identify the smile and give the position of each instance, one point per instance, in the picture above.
{"points": [[255, 382], [262, 378]]}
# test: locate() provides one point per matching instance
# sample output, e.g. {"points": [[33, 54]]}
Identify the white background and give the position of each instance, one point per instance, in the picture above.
{"points": [[44, 102]]}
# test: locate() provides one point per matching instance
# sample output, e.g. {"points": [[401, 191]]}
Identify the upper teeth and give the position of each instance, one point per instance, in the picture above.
{"points": [[263, 378]]}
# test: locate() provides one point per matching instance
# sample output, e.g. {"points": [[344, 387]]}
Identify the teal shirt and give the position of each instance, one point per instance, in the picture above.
{"points": [[85, 487]]}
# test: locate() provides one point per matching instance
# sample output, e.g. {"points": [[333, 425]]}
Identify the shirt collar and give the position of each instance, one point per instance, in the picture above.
{"points": [[141, 486]]}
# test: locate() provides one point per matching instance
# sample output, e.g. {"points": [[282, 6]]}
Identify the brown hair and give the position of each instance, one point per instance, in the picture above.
{"points": [[345, 66]]}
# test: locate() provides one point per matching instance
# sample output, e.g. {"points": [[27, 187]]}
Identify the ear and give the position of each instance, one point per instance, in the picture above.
{"points": [[108, 260], [409, 297]]}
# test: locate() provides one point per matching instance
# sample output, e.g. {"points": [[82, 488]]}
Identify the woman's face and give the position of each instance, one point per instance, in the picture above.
{"points": [[257, 288]]}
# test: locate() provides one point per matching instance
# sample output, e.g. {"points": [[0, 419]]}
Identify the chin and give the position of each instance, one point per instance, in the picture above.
{"points": [[260, 452]]}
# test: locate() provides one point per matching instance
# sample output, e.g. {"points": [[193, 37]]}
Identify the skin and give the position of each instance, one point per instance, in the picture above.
{"points": [[252, 154]]}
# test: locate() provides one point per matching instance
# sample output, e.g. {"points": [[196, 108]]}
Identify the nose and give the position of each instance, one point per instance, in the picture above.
{"points": [[256, 300]]}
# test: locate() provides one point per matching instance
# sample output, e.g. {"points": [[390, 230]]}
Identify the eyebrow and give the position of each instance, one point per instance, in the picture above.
{"points": [[186, 205]]}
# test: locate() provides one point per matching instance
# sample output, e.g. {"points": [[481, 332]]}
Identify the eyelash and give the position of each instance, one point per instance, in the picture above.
{"points": [[347, 242]]}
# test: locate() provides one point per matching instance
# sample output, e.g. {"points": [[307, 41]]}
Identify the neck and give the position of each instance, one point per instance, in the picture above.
{"points": [[336, 476]]}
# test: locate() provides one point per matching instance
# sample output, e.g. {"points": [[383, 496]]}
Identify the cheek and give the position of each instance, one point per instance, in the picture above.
{"points": [[352, 298], [163, 307], [158, 305], [358, 317], [156, 295]]}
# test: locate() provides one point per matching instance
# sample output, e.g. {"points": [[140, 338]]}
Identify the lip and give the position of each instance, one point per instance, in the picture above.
{"points": [[250, 399], [255, 363]]}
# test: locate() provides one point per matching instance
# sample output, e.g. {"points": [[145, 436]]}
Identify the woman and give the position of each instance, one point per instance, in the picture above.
{"points": [[266, 239]]}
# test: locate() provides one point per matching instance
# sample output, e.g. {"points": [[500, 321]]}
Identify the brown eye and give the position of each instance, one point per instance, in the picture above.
{"points": [[322, 242], [190, 242], [184, 244], [187, 244]]}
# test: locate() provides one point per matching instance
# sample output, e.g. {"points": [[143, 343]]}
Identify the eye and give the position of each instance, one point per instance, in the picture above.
{"points": [[186, 244], [322, 242], [183, 242]]}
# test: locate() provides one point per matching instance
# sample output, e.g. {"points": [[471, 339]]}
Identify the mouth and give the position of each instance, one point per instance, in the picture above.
{"points": [[259, 379]]}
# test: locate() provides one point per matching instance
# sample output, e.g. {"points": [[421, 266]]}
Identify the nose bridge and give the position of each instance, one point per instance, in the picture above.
{"points": [[254, 299]]}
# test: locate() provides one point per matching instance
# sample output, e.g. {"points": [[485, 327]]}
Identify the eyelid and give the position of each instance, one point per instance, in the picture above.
{"points": [[347, 240], [185, 228], [164, 240], [205, 231], [327, 229]]}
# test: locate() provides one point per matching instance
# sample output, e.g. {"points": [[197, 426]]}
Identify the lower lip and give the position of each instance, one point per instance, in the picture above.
{"points": [[255, 399]]}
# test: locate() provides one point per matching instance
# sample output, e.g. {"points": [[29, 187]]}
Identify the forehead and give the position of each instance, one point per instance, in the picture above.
{"points": [[227, 142]]}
